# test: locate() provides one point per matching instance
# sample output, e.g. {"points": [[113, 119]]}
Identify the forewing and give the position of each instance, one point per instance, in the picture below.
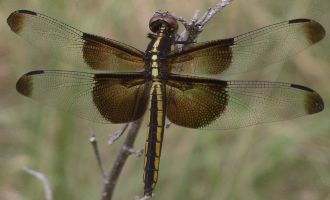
{"points": [[104, 98], [217, 104], [75, 47], [249, 51]]}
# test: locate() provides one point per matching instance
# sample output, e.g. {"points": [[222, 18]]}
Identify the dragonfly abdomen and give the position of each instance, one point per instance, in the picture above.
{"points": [[154, 140]]}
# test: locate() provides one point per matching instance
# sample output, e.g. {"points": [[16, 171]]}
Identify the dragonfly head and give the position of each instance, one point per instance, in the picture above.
{"points": [[163, 19]]}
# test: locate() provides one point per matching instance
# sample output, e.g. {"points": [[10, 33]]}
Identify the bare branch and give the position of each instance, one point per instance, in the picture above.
{"points": [[195, 26], [195, 16], [93, 141], [212, 11], [44, 181], [114, 137]]}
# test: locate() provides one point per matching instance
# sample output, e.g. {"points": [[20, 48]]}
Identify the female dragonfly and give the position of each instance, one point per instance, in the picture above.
{"points": [[117, 83]]}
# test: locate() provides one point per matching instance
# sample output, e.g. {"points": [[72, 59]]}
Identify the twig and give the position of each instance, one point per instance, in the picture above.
{"points": [[134, 151], [143, 198], [93, 141], [114, 137], [168, 125], [44, 181]]}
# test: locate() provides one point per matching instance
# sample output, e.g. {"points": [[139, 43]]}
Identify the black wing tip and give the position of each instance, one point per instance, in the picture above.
{"points": [[314, 30], [29, 12], [301, 87], [24, 84], [34, 72], [299, 20], [313, 101], [14, 14], [16, 20]]}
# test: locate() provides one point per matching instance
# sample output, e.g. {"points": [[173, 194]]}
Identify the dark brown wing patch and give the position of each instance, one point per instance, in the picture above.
{"points": [[120, 100], [205, 55], [102, 54], [193, 104]]}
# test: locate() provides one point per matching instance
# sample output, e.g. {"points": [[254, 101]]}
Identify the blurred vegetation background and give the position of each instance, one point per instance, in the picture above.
{"points": [[284, 160]]}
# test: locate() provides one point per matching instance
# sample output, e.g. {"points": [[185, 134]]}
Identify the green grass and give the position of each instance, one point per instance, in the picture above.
{"points": [[285, 160]]}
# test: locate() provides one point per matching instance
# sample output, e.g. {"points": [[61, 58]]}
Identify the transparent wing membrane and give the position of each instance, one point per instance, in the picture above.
{"points": [[249, 51], [105, 98], [83, 50], [216, 104]]}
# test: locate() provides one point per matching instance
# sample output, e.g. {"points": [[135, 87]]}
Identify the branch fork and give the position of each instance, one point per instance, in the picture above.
{"points": [[195, 26]]}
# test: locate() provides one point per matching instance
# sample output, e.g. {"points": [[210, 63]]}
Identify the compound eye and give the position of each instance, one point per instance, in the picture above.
{"points": [[163, 18]]}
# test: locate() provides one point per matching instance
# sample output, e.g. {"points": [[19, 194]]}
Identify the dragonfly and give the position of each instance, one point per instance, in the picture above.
{"points": [[117, 83]]}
